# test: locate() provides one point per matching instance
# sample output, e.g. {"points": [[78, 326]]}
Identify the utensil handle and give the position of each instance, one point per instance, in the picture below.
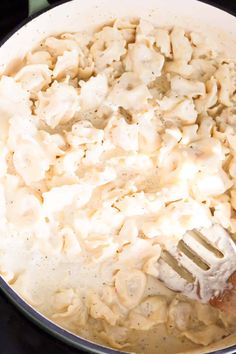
{"points": [[37, 5]]}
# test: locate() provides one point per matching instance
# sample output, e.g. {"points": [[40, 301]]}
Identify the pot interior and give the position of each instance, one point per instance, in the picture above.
{"points": [[78, 16]]}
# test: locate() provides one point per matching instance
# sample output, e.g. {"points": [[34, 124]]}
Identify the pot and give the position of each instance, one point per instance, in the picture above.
{"points": [[74, 16]]}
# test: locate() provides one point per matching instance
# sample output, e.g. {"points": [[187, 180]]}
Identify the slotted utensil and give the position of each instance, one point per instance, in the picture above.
{"points": [[200, 265]]}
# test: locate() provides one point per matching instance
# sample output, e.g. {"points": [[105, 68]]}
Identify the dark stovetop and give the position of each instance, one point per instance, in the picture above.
{"points": [[17, 334]]}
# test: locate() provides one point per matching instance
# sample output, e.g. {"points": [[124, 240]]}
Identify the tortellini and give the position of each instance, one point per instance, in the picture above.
{"points": [[68, 307], [100, 310], [163, 42], [93, 92], [130, 287], [146, 63], [129, 92], [182, 49], [25, 209], [180, 315], [58, 104], [109, 46], [206, 335], [185, 87], [115, 336], [148, 314], [113, 144], [34, 78], [67, 64], [124, 135], [39, 57], [57, 46]]}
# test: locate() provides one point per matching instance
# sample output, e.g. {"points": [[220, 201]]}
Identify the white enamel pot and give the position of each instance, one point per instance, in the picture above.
{"points": [[79, 15]]}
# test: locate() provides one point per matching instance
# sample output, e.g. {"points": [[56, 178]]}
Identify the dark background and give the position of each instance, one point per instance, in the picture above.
{"points": [[12, 12], [17, 334]]}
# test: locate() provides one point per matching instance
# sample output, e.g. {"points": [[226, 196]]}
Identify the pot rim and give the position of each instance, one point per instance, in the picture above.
{"points": [[39, 319]]}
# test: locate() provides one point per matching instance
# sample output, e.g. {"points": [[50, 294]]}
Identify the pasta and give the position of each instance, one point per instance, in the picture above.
{"points": [[113, 145]]}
